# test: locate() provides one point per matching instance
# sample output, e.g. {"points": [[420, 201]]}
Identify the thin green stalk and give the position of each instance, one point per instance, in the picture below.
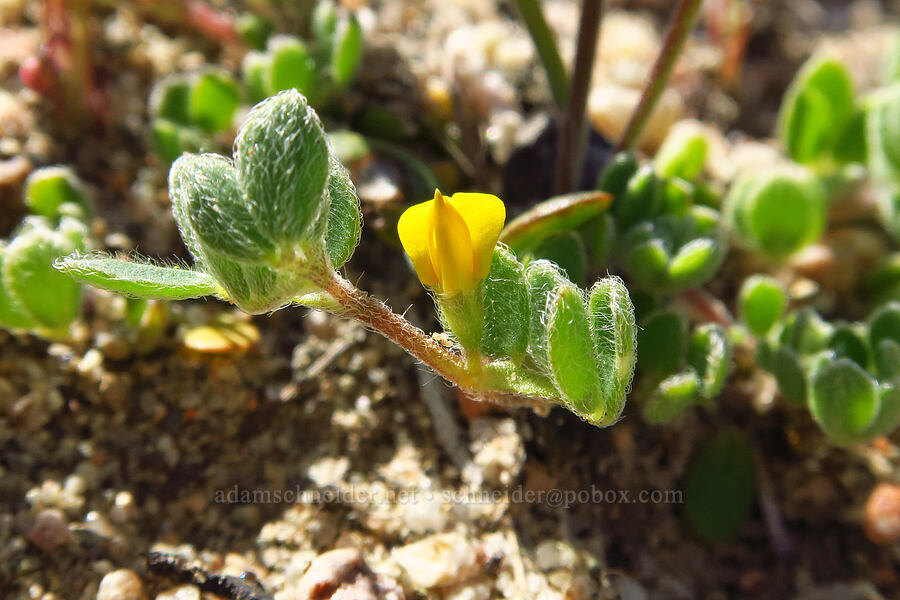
{"points": [[572, 140], [681, 25], [546, 49]]}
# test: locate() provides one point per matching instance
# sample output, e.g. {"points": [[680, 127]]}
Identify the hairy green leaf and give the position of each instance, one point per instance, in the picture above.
{"points": [[611, 317], [52, 299], [49, 188], [672, 397], [347, 50], [761, 303], [710, 354], [507, 315], [281, 158], [844, 400], [344, 216], [570, 350], [138, 279], [815, 109], [566, 250], [210, 196], [557, 215], [213, 101]]}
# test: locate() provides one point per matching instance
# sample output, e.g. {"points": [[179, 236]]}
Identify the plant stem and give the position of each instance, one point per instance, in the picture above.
{"points": [[681, 25], [571, 145], [531, 13], [358, 305]]}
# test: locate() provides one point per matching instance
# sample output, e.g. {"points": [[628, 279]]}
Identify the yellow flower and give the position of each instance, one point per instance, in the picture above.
{"points": [[451, 241]]}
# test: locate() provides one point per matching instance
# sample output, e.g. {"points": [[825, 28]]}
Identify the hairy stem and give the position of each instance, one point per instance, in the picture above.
{"points": [[375, 315], [531, 13], [571, 146], [681, 25]]}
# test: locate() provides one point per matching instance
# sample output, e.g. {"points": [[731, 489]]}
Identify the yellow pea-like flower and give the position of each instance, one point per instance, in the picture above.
{"points": [[451, 240]]}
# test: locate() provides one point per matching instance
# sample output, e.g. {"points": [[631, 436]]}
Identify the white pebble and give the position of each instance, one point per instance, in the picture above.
{"points": [[123, 584]]}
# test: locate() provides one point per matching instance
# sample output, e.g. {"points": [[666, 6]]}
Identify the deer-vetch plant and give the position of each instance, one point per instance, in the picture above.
{"points": [[271, 228]]}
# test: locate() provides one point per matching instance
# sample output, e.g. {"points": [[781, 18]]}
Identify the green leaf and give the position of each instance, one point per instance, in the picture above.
{"points": [[884, 324], [710, 354], [677, 196], [344, 216], [209, 194], [883, 134], [570, 350], [640, 200], [254, 30], [213, 101], [847, 342], [52, 299], [892, 62], [543, 277], [290, 67], [850, 146], [254, 71], [600, 235], [790, 376], [815, 109], [883, 282], [806, 332], [615, 175], [694, 263], [281, 158], [672, 397], [888, 418], [611, 317], [662, 340], [567, 251], [170, 99], [887, 360], [347, 51], [557, 215], [138, 279], [777, 212], [507, 315], [761, 303], [49, 188], [682, 154], [718, 491], [844, 400], [646, 260], [323, 22], [12, 314]]}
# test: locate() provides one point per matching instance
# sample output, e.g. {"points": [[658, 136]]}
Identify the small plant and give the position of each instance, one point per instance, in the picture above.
{"points": [[34, 296], [188, 109], [656, 229], [55, 192], [846, 373], [680, 368], [272, 227], [320, 69], [778, 212]]}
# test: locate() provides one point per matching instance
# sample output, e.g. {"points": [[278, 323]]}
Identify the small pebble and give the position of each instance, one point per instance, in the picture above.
{"points": [[882, 517], [123, 508], [184, 592], [123, 584], [50, 530], [438, 560]]}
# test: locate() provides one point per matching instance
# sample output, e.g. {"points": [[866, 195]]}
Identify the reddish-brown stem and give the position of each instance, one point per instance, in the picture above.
{"points": [[571, 146], [682, 23], [372, 313]]}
